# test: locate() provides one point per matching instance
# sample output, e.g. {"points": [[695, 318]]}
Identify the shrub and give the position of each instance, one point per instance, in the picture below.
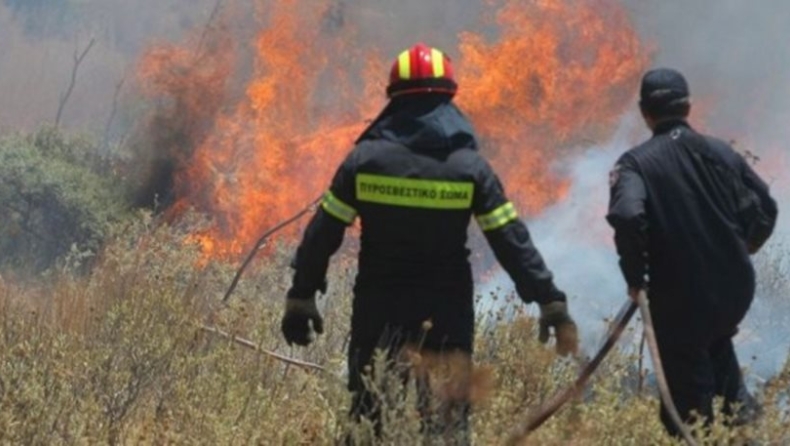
{"points": [[118, 356], [57, 205]]}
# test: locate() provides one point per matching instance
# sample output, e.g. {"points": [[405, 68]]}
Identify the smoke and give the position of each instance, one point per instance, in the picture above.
{"points": [[729, 50], [733, 56], [732, 52], [576, 242], [737, 66], [391, 26], [39, 38]]}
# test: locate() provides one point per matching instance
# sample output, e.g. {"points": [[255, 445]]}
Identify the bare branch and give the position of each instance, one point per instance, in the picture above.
{"points": [[262, 242], [78, 58], [113, 111], [207, 27], [253, 346]]}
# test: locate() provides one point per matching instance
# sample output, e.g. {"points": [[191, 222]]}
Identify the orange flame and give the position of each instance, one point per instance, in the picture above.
{"points": [[561, 72], [558, 73]]}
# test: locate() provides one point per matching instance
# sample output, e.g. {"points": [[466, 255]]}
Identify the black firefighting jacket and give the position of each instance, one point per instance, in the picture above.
{"points": [[415, 178], [687, 211]]}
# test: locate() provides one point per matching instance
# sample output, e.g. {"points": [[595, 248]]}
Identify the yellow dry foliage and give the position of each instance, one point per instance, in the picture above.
{"points": [[118, 357]]}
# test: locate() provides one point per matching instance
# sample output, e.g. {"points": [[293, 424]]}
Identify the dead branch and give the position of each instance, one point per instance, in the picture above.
{"points": [[253, 346], [207, 27], [78, 58], [113, 111], [262, 242]]}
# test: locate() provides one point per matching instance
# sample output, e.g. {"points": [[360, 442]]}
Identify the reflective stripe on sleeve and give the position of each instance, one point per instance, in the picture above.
{"points": [[335, 207], [498, 217]]}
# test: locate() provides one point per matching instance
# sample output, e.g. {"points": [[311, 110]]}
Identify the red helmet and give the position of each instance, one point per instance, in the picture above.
{"points": [[421, 69]]}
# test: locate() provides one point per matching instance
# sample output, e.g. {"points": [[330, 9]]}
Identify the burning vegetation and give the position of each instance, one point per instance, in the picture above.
{"points": [[251, 159], [243, 122]]}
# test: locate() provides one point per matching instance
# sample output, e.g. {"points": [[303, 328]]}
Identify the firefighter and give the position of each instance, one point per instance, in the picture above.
{"points": [[415, 178], [687, 212]]}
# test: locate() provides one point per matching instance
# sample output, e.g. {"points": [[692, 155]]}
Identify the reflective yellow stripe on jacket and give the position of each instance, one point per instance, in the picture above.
{"points": [[338, 209], [414, 192], [498, 217]]}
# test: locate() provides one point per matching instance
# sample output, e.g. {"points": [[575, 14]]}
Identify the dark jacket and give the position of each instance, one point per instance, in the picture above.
{"points": [[687, 210], [415, 178]]}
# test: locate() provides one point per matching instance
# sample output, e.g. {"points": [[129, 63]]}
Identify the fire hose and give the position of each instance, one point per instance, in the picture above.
{"points": [[521, 431], [544, 412], [663, 387]]}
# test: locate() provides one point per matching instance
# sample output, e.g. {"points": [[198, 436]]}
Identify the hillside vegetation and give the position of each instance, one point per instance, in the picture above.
{"points": [[112, 329], [119, 355]]}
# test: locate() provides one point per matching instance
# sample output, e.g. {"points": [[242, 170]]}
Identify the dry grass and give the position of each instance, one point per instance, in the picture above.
{"points": [[118, 357]]}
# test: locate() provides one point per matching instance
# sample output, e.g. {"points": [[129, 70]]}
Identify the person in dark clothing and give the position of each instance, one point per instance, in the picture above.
{"points": [[687, 211], [415, 178]]}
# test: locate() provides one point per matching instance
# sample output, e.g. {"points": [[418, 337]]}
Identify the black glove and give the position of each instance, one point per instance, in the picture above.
{"points": [[555, 314], [296, 321]]}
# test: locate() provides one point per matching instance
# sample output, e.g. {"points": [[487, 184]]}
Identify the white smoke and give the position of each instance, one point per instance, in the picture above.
{"points": [[576, 243], [737, 68]]}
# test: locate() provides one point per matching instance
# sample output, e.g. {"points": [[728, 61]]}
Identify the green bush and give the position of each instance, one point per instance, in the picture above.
{"points": [[56, 202]]}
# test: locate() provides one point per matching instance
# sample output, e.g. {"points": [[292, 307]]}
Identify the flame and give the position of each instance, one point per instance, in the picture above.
{"points": [[557, 73], [560, 73]]}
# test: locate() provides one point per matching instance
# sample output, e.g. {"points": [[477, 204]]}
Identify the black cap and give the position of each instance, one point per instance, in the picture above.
{"points": [[663, 87]]}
